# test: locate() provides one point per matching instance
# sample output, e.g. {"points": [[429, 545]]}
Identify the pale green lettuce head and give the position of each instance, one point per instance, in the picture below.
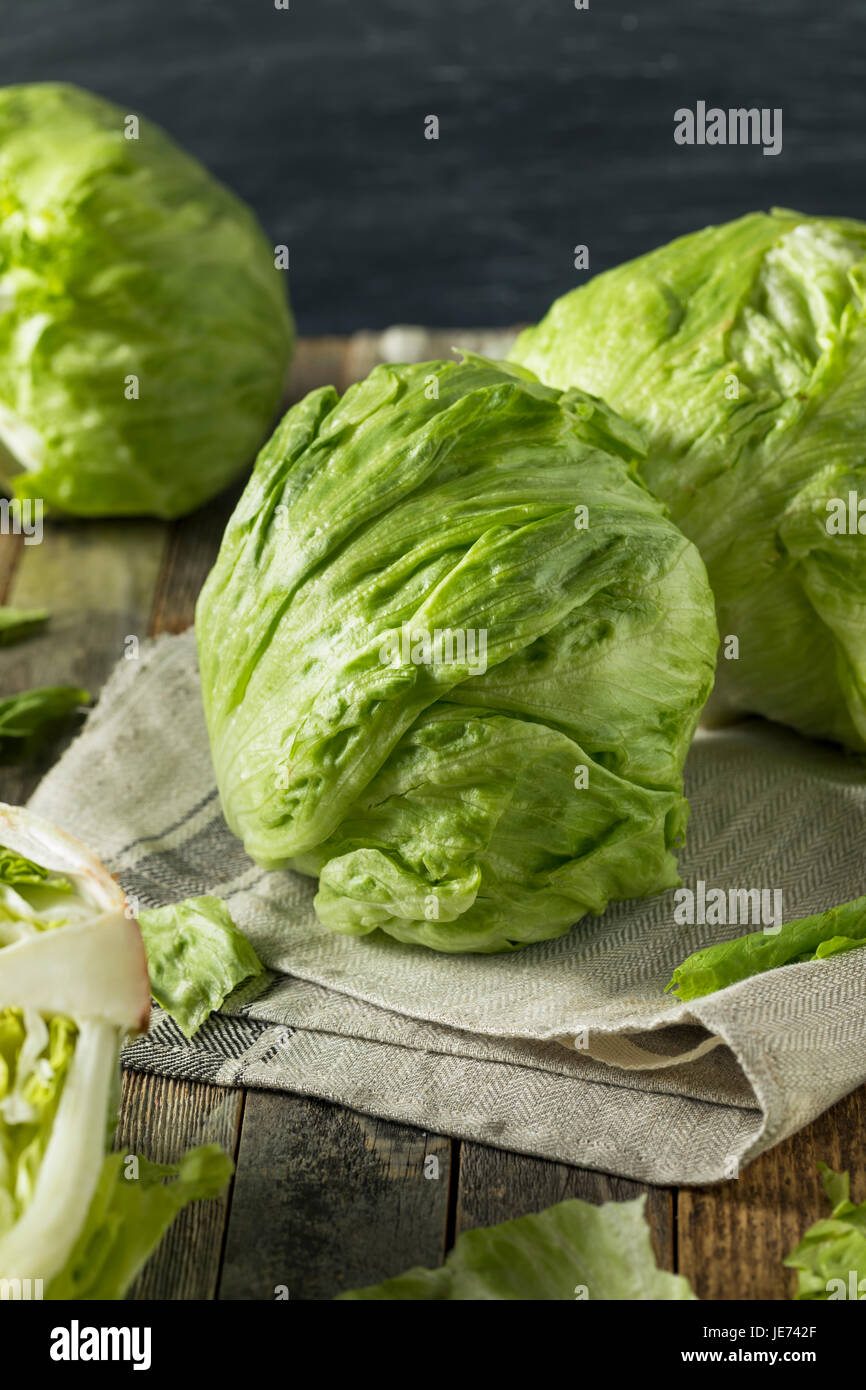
{"points": [[124, 258], [742, 352], [467, 809]]}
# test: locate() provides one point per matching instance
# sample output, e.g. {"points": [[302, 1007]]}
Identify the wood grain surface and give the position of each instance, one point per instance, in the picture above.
{"points": [[325, 1198]]}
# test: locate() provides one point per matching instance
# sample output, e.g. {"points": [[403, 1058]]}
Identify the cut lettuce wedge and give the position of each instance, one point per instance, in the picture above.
{"points": [[825, 934], [73, 985], [573, 1250], [196, 956]]}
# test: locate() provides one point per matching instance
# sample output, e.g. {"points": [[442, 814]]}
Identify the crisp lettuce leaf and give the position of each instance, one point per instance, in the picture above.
{"points": [[831, 1257], [18, 623], [740, 350], [31, 719], [196, 956], [134, 1204], [573, 1250], [462, 804], [825, 934]]}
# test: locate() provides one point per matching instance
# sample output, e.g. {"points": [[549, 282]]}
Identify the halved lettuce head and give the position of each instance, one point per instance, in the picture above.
{"points": [[741, 350], [452, 658], [74, 1222], [144, 332]]}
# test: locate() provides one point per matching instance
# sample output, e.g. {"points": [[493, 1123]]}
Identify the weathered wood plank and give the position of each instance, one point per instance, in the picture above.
{"points": [[161, 1118], [327, 1199], [496, 1185], [97, 579], [732, 1238]]}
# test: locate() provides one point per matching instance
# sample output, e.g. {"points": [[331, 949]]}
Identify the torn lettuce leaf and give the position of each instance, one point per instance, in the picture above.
{"points": [[196, 957], [134, 1204], [30, 720], [573, 1250], [18, 623], [831, 1257], [825, 934]]}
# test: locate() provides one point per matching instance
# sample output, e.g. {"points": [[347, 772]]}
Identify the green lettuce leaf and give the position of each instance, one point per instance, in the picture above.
{"points": [[16, 869], [831, 1257], [32, 719], [134, 1204], [145, 331], [18, 623], [457, 803], [825, 934], [573, 1250], [196, 956], [740, 351]]}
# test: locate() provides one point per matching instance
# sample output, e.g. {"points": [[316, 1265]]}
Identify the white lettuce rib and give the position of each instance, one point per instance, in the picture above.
{"points": [[82, 970]]}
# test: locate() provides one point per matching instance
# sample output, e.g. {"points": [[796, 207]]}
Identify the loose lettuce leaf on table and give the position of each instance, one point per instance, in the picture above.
{"points": [[831, 1257], [18, 623], [573, 1250], [132, 1208], [31, 719], [196, 956], [825, 934]]}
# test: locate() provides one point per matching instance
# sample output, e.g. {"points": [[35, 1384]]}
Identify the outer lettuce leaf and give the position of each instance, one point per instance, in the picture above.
{"points": [[196, 956], [572, 1250], [825, 934], [831, 1257], [30, 720], [122, 257], [438, 802], [741, 351], [18, 623], [129, 1215]]}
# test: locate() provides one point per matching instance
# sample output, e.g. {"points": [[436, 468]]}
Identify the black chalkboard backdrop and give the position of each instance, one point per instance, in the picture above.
{"points": [[556, 129]]}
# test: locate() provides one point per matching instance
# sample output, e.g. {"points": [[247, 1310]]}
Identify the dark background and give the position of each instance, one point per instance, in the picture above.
{"points": [[556, 129]]}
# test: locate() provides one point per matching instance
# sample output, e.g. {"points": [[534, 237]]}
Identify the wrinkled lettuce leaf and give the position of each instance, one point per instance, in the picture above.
{"points": [[18, 623], [825, 934], [196, 956], [30, 720], [740, 351], [573, 1250], [134, 1204], [462, 805], [831, 1257]]}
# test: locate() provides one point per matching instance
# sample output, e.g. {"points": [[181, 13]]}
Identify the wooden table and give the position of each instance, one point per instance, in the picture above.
{"points": [[326, 1198]]}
